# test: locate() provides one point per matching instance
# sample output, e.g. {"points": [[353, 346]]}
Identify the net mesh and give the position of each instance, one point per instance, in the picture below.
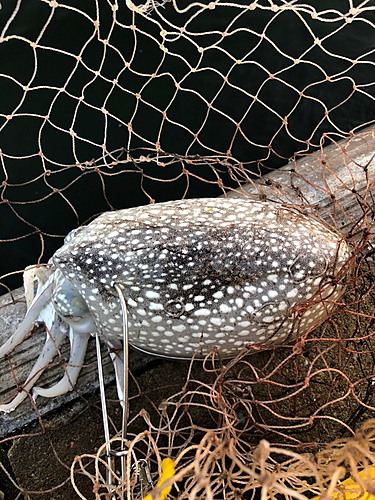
{"points": [[216, 466], [106, 105], [130, 103]]}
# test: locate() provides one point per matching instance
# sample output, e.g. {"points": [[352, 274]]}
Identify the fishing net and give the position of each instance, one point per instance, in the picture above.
{"points": [[216, 466], [110, 105]]}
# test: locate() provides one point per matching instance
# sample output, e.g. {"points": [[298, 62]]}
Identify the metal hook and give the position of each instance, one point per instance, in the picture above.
{"points": [[144, 474], [104, 409], [124, 430]]}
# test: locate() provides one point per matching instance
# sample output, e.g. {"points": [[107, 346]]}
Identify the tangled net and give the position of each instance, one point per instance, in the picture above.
{"points": [[218, 466], [130, 103], [160, 101]]}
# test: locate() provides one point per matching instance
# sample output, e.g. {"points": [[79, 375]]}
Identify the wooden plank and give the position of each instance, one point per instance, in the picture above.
{"points": [[340, 173]]}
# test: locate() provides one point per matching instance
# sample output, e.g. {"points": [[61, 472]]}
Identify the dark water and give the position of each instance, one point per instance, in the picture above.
{"points": [[42, 199]]}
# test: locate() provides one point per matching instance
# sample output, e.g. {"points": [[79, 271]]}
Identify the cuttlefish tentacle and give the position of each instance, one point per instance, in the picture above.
{"points": [[78, 348], [33, 314], [54, 340], [72, 308], [35, 275]]}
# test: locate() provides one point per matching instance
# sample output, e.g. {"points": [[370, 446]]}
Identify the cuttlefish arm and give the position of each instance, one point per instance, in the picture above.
{"points": [[78, 343], [33, 315], [54, 340]]}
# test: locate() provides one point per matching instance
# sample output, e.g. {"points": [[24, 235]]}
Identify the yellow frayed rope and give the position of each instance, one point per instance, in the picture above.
{"points": [[167, 467]]}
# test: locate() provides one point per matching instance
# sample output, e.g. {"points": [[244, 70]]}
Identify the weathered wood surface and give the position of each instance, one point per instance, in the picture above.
{"points": [[340, 174], [316, 181]]}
